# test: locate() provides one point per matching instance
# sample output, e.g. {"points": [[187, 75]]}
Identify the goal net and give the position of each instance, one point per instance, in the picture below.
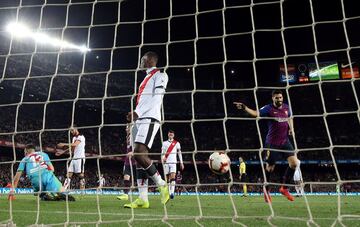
{"points": [[76, 62]]}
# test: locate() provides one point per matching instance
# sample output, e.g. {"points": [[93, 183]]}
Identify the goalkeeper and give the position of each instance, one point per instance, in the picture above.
{"points": [[40, 171]]}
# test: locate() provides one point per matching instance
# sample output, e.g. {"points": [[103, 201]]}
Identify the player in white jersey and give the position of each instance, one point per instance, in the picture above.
{"points": [[169, 151], [298, 180], [77, 164], [147, 117], [101, 182]]}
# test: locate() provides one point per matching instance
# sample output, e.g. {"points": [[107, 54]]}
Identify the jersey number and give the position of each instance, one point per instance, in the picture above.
{"points": [[37, 161]]}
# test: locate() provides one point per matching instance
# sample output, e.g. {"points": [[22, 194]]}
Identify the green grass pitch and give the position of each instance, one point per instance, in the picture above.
{"points": [[183, 211]]}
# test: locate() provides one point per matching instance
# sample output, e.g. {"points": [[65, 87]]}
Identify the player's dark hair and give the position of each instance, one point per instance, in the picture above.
{"points": [[152, 55], [276, 92], [30, 146], [75, 127], [171, 131]]}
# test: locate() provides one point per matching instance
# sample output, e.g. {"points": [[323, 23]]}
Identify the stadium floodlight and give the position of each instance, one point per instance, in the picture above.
{"points": [[18, 30]]}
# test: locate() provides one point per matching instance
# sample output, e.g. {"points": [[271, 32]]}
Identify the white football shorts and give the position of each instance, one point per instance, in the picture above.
{"points": [[144, 131], [77, 166], [169, 168]]}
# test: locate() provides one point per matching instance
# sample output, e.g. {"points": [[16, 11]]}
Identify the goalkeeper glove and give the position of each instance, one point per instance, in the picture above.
{"points": [[11, 195]]}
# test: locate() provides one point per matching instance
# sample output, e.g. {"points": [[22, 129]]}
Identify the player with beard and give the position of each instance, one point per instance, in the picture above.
{"points": [[279, 129]]}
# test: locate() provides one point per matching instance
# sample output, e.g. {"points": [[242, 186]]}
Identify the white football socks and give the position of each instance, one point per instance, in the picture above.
{"points": [[143, 189], [157, 179], [67, 183], [172, 187]]}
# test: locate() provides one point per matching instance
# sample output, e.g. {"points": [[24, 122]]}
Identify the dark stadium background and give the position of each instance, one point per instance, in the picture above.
{"points": [[178, 59]]}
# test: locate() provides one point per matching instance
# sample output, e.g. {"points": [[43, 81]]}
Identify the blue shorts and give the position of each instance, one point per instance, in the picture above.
{"points": [[49, 182], [273, 156]]}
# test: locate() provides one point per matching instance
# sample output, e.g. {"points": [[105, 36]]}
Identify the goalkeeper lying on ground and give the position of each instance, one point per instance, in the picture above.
{"points": [[40, 171]]}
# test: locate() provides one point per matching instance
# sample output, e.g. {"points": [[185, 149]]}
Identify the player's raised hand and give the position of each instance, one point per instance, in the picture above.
{"points": [[182, 167], [240, 105]]}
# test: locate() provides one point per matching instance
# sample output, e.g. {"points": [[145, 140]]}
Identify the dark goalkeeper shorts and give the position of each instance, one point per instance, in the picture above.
{"points": [[273, 156]]}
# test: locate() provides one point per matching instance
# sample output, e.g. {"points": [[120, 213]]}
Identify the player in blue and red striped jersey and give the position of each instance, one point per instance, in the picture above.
{"points": [[279, 129]]}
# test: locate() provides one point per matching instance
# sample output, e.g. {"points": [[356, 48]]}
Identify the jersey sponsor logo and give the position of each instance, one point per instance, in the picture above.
{"points": [[281, 119]]}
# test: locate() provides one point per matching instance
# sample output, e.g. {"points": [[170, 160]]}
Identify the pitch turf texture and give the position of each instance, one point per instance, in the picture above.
{"points": [[183, 211]]}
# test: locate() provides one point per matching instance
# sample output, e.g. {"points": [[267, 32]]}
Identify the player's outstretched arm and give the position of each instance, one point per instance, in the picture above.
{"points": [[242, 106], [61, 152], [61, 145], [74, 144], [17, 178], [14, 185], [65, 147]]}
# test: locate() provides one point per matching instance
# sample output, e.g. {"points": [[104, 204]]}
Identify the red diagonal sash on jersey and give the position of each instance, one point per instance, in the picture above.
{"points": [[170, 148], [143, 84]]}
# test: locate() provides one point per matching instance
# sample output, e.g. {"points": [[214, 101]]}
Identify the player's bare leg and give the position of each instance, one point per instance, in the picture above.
{"points": [[82, 181], [289, 173], [298, 189], [268, 171], [67, 181], [142, 158], [172, 184]]}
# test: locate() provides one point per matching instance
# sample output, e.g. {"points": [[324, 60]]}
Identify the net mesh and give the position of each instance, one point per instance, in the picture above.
{"points": [[215, 53]]}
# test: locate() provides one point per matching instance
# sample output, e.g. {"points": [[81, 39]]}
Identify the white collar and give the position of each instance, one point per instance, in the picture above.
{"points": [[150, 69]]}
